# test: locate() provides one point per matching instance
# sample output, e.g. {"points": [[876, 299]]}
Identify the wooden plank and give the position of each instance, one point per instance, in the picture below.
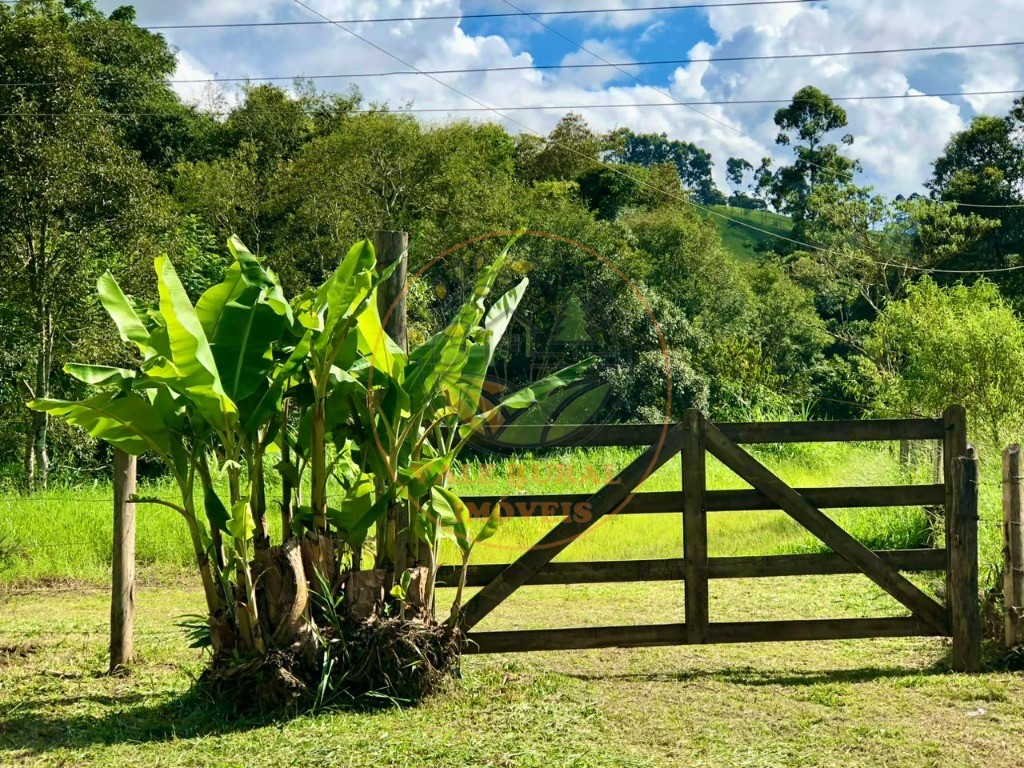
{"points": [[965, 611], [675, 634], [557, 506], [824, 564], [812, 518], [831, 498], [695, 529], [1013, 548], [833, 431], [595, 572], [820, 629], [597, 435], [604, 502], [515, 437], [671, 569], [517, 641], [954, 443], [122, 599]]}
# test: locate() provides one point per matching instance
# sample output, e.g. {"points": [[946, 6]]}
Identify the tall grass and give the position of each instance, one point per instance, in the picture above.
{"points": [[65, 534]]}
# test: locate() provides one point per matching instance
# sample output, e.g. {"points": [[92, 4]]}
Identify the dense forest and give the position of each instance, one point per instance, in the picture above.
{"points": [[867, 307]]}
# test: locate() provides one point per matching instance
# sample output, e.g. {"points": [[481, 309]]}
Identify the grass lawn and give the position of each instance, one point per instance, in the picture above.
{"points": [[884, 702], [66, 534], [850, 703]]}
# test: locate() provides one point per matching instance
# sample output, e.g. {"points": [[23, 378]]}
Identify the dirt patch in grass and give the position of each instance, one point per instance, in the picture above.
{"points": [[10, 654]]}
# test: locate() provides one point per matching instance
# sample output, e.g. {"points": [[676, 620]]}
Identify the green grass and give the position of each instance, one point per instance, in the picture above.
{"points": [[65, 534], [852, 703], [743, 241]]}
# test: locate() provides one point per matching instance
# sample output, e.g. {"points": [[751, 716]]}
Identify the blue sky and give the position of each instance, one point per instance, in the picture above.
{"points": [[666, 35], [896, 140]]}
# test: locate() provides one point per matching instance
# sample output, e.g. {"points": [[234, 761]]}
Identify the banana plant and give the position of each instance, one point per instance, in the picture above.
{"points": [[209, 385], [212, 394], [411, 414], [446, 507]]}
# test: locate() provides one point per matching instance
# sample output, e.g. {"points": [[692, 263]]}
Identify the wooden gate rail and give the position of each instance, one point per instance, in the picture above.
{"points": [[747, 433], [693, 438], [668, 569], [676, 634], [551, 506]]}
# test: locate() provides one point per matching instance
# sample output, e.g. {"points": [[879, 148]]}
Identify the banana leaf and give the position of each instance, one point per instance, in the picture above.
{"points": [[126, 421]]}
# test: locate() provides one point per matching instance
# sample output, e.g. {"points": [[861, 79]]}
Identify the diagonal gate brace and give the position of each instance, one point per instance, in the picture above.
{"points": [[815, 521], [605, 502]]}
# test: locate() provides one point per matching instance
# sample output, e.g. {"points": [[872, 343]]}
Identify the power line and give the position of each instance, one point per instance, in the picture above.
{"points": [[556, 107], [497, 112], [681, 198], [551, 67], [460, 16], [643, 82]]}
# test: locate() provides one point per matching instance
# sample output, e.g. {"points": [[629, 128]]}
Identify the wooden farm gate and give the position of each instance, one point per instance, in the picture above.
{"points": [[693, 438]]}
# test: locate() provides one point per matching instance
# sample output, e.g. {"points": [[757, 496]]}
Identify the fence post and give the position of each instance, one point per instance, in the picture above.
{"points": [[963, 548], [122, 601], [695, 529], [392, 248], [953, 444], [1013, 546]]}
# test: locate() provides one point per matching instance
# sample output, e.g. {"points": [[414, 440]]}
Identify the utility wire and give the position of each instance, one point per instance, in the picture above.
{"points": [[643, 82], [549, 67], [554, 107], [639, 80], [681, 198], [523, 126], [460, 16]]}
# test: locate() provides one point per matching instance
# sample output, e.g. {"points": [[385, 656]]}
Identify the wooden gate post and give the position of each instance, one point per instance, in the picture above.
{"points": [[122, 600], [695, 529], [954, 444], [1013, 546], [965, 612], [392, 248]]}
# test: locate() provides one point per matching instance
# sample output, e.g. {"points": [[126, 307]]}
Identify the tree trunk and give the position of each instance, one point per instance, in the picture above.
{"points": [[286, 485], [38, 466]]}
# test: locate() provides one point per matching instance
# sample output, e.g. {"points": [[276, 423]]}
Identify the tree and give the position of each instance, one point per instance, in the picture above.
{"points": [[130, 67], [69, 190], [386, 171], [693, 163], [611, 189], [736, 171], [570, 150], [962, 344], [871, 249], [761, 186], [983, 166], [804, 124]]}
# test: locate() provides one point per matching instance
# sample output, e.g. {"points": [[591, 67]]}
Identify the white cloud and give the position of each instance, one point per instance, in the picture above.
{"points": [[592, 78], [896, 139], [197, 93]]}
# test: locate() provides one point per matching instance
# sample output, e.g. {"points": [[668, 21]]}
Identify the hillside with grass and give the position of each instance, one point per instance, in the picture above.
{"points": [[762, 233]]}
